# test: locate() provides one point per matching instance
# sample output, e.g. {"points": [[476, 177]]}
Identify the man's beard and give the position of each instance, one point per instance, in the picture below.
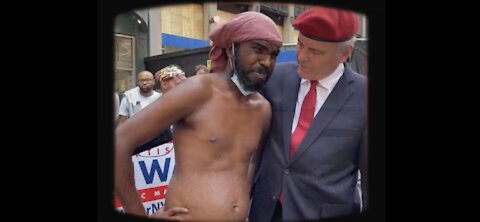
{"points": [[245, 83], [145, 90]]}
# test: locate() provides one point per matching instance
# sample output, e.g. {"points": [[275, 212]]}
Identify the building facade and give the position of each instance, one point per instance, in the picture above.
{"points": [[172, 28]]}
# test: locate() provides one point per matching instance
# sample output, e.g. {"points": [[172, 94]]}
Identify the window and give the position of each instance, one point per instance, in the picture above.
{"points": [[124, 63]]}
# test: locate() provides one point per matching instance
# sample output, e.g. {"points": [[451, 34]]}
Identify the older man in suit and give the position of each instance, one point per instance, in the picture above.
{"points": [[315, 148]]}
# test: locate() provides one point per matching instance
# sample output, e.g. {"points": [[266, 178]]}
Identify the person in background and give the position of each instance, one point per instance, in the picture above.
{"points": [[116, 103], [200, 69], [219, 121], [167, 78], [170, 77], [315, 147], [137, 98]]}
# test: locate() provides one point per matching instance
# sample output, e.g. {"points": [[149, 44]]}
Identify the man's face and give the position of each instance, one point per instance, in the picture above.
{"points": [[254, 62], [145, 82], [317, 59]]}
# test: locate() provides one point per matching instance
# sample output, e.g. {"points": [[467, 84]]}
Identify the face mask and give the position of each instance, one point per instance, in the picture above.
{"points": [[234, 77], [240, 87]]}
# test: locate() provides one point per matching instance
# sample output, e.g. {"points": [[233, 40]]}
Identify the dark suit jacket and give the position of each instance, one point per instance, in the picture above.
{"points": [[319, 180]]}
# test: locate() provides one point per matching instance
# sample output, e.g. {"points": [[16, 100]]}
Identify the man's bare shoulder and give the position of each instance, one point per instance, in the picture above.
{"points": [[195, 85], [257, 97], [201, 81], [216, 82], [205, 82]]}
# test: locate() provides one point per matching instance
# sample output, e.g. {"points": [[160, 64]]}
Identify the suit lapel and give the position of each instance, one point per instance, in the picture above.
{"points": [[330, 108], [290, 88]]}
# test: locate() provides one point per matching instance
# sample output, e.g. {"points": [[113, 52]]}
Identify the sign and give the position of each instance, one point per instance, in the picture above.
{"points": [[153, 170]]}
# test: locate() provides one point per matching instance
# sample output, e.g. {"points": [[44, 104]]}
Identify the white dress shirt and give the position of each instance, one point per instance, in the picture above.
{"points": [[324, 88]]}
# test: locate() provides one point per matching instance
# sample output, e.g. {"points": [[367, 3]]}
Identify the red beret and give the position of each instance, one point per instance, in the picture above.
{"points": [[327, 24]]}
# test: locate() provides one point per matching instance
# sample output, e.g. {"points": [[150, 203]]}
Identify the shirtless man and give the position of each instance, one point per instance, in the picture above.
{"points": [[219, 121]]}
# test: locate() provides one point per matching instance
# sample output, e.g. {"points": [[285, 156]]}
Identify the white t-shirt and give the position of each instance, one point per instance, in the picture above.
{"points": [[124, 109], [116, 104]]}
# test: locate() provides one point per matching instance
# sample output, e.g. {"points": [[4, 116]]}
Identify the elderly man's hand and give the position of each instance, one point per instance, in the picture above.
{"points": [[174, 213]]}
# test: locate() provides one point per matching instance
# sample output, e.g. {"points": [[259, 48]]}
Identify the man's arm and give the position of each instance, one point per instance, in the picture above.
{"points": [[257, 155], [164, 137], [180, 102]]}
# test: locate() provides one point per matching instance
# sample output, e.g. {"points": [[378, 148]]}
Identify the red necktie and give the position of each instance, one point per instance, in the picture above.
{"points": [[306, 116]]}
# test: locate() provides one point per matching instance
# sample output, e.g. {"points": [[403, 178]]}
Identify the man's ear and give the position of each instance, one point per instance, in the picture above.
{"points": [[346, 53]]}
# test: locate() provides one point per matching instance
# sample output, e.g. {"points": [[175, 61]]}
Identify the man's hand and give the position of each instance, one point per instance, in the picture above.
{"points": [[174, 213]]}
